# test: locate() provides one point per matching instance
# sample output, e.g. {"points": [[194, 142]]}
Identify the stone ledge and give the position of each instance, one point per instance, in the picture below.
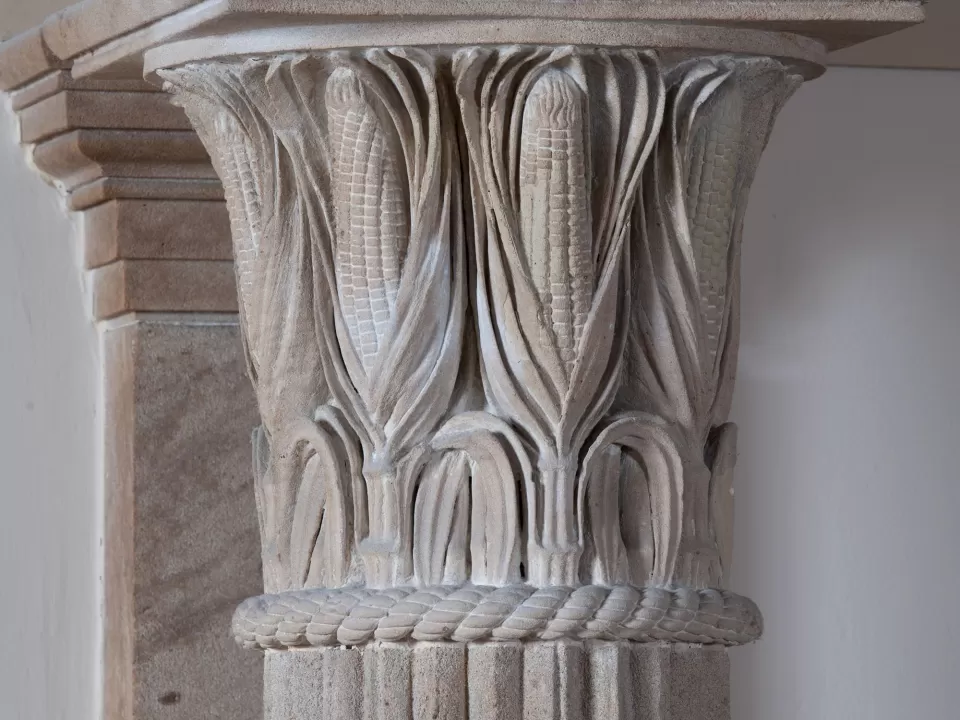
{"points": [[164, 286], [106, 34]]}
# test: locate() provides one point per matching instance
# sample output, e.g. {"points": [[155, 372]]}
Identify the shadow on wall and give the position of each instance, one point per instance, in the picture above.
{"points": [[846, 398]]}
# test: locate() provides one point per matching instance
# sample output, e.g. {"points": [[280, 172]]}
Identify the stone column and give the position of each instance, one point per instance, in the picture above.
{"points": [[487, 257], [489, 295]]}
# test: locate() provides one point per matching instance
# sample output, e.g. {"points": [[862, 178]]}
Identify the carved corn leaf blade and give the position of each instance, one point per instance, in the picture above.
{"points": [[654, 441], [604, 556], [305, 498], [498, 461], [666, 334], [268, 507], [722, 458], [438, 519], [636, 521], [683, 341]]}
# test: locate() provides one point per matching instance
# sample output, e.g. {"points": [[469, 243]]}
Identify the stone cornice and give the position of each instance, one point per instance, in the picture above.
{"points": [[155, 229], [95, 35]]}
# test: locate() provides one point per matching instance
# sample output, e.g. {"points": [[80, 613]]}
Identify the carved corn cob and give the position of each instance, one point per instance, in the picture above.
{"points": [[240, 172], [555, 216], [710, 200], [371, 215]]}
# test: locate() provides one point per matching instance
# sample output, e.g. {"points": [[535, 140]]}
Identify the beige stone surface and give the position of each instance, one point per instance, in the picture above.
{"points": [[181, 536], [105, 189], [17, 16], [78, 109], [60, 80], [499, 681], [163, 286], [83, 156], [156, 230], [78, 28], [115, 138], [115, 33]]}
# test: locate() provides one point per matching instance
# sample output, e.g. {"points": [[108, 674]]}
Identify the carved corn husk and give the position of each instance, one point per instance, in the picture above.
{"points": [[557, 141], [305, 494], [684, 334], [350, 262]]}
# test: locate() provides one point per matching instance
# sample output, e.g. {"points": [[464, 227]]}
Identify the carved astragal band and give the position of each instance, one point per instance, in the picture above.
{"points": [[356, 616]]}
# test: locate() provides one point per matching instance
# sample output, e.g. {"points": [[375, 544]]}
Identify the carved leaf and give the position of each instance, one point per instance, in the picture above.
{"points": [[437, 543], [636, 520], [551, 276], [305, 502], [498, 461], [268, 505], [605, 551], [652, 439], [686, 260]]}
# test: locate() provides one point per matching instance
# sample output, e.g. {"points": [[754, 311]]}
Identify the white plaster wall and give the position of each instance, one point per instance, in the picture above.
{"points": [[848, 515], [50, 501]]}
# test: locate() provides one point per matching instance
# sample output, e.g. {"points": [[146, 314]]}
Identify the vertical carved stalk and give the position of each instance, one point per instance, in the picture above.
{"points": [[557, 241], [372, 231], [557, 142]]}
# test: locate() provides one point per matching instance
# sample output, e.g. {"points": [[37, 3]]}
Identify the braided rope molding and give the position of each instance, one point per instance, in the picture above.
{"points": [[355, 616]]}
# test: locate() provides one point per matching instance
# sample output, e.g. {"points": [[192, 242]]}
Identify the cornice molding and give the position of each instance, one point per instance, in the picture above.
{"points": [[155, 229], [97, 35]]}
